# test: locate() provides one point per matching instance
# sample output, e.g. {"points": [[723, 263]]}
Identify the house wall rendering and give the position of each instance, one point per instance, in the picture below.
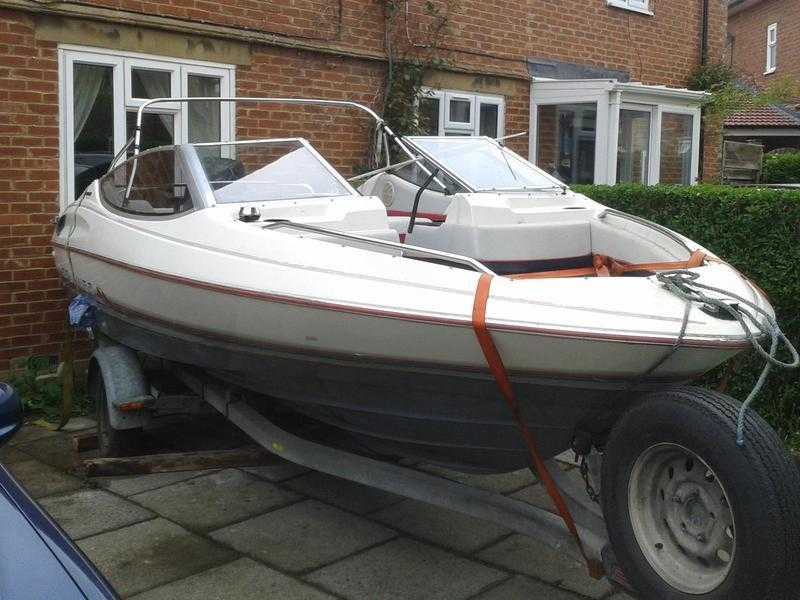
{"points": [[332, 49]]}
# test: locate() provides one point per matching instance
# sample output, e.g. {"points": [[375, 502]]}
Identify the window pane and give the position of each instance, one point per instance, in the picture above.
{"points": [[676, 148], [489, 116], [566, 141], [146, 83], [158, 186], [460, 111], [157, 130], [633, 147], [429, 115], [93, 122], [204, 117]]}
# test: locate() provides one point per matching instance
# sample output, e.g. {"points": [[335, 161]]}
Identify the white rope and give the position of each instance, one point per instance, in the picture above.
{"points": [[684, 284]]}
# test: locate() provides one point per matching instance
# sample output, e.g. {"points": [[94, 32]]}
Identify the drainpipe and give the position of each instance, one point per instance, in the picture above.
{"points": [[703, 61], [704, 39]]}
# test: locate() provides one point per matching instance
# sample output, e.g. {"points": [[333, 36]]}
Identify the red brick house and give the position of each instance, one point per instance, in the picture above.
{"points": [[585, 78], [763, 45]]}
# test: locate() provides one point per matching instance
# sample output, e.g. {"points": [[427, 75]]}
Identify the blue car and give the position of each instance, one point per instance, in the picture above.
{"points": [[37, 559]]}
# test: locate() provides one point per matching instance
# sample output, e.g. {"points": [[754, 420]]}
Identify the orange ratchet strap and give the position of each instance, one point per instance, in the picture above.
{"points": [[605, 266], [498, 370]]}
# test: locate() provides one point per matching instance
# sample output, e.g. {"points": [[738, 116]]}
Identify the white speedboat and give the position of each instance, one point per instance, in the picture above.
{"points": [[259, 261]]}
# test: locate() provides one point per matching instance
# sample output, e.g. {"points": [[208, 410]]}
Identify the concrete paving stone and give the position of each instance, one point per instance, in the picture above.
{"points": [[54, 450], [89, 512], [151, 553], [135, 484], [522, 588], [29, 433], [239, 580], [215, 500], [303, 536], [280, 471], [405, 570], [9, 455], [441, 526], [351, 496], [42, 480], [79, 424], [525, 555], [535, 495], [502, 483], [567, 459], [621, 596]]}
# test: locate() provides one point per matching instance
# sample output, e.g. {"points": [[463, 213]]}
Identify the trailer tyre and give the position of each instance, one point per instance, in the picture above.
{"points": [[110, 442], [692, 515]]}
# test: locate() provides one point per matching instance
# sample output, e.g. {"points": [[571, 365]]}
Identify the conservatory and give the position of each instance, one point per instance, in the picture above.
{"points": [[604, 131]]}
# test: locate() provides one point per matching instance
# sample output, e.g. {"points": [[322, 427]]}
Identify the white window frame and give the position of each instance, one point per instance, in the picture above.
{"points": [[772, 49], [639, 6], [122, 63], [445, 125], [449, 124], [653, 150], [611, 96]]}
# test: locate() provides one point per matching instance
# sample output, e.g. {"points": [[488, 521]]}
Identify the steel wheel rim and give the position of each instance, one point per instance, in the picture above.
{"points": [[682, 519]]}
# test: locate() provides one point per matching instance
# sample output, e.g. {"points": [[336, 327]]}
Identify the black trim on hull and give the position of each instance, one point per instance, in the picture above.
{"points": [[450, 417]]}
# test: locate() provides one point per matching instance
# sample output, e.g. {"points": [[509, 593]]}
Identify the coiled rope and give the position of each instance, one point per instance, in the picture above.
{"points": [[684, 284]]}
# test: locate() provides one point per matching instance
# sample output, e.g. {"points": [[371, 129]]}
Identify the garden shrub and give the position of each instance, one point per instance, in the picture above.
{"points": [[756, 230], [782, 168]]}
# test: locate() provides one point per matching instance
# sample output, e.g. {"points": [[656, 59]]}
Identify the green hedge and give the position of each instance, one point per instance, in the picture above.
{"points": [[782, 168], [757, 231]]}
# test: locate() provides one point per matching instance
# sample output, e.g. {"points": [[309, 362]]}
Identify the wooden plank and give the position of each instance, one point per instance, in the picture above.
{"points": [[179, 461], [81, 442]]}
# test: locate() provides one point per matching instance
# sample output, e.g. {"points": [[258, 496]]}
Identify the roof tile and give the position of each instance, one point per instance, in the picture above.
{"points": [[764, 116]]}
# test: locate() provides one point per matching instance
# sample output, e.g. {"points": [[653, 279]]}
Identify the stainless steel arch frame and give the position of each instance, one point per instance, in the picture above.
{"points": [[269, 100]]}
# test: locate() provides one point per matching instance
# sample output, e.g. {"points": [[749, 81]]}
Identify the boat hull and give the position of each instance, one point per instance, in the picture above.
{"points": [[429, 413]]}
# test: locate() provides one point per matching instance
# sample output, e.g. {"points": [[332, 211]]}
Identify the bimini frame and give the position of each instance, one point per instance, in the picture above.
{"points": [[384, 129], [386, 132]]}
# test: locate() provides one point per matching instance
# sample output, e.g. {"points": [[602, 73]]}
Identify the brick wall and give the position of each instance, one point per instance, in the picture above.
{"points": [[495, 35], [748, 52], [31, 301]]}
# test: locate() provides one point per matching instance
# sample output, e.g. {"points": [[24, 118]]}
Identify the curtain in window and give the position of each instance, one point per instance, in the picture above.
{"points": [[204, 117], [87, 80], [159, 87]]}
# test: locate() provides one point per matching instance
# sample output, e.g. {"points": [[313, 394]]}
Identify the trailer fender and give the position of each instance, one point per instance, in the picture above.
{"points": [[124, 382]]}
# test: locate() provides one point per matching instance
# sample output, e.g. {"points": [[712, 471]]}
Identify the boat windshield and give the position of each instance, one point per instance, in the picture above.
{"points": [[483, 164], [267, 171]]}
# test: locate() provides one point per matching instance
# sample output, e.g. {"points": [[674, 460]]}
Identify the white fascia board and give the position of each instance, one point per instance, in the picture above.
{"points": [[660, 93], [550, 91]]}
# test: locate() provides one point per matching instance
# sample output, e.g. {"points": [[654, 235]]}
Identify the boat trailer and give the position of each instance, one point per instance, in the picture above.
{"points": [[129, 400]]}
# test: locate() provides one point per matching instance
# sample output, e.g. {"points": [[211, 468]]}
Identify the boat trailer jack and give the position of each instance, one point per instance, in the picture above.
{"points": [[512, 514]]}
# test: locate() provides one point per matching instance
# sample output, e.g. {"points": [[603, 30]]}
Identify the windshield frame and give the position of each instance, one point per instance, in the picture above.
{"points": [[508, 154], [209, 199]]}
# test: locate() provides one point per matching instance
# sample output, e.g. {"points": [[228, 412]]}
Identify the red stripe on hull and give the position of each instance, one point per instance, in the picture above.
{"points": [[466, 322]]}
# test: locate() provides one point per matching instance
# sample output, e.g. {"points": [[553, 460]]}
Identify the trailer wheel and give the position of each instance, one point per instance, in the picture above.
{"points": [[110, 442], [691, 514]]}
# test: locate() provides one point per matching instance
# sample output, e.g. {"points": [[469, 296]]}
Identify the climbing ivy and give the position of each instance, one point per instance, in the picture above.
{"points": [[406, 69]]}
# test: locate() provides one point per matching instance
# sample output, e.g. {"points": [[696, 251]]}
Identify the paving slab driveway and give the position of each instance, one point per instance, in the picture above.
{"points": [[283, 532]]}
